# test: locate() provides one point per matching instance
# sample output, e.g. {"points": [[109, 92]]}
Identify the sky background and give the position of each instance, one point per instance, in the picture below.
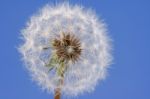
{"points": [[129, 26]]}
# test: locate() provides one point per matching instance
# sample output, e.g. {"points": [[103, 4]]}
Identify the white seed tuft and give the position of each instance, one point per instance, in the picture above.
{"points": [[50, 22]]}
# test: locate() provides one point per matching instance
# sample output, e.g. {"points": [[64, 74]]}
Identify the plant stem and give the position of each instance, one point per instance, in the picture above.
{"points": [[58, 90], [61, 82], [57, 93]]}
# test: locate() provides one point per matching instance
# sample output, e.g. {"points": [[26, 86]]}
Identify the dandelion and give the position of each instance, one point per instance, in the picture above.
{"points": [[66, 49]]}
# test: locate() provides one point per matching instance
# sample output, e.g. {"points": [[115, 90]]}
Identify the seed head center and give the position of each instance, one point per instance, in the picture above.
{"points": [[70, 49]]}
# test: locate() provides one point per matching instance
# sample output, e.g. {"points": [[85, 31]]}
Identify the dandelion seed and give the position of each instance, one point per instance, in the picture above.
{"points": [[70, 49]]}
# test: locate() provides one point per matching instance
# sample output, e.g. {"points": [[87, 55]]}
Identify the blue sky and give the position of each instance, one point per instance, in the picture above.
{"points": [[129, 26]]}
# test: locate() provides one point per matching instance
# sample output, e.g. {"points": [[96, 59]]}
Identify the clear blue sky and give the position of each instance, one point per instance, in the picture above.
{"points": [[129, 26]]}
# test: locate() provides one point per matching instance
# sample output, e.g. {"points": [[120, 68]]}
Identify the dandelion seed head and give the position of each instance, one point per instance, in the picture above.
{"points": [[76, 35]]}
